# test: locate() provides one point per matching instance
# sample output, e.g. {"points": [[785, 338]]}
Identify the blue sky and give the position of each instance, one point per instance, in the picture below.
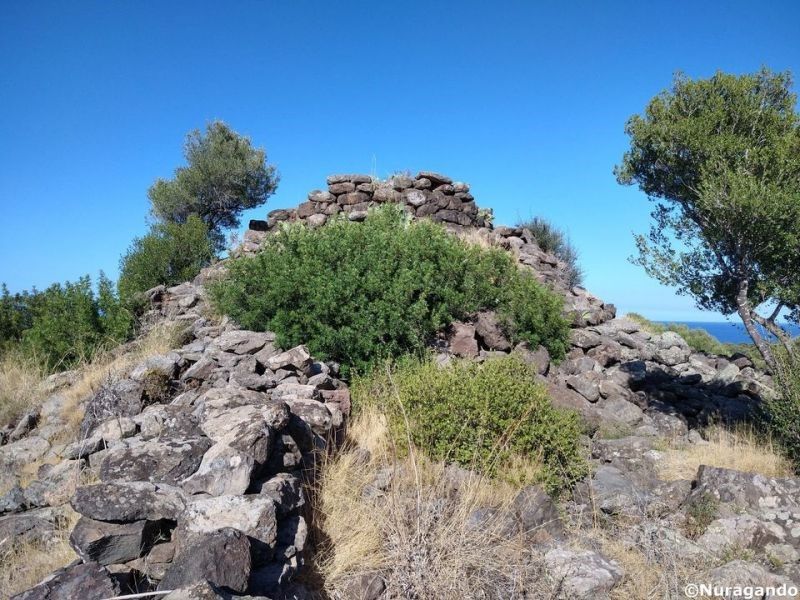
{"points": [[525, 101]]}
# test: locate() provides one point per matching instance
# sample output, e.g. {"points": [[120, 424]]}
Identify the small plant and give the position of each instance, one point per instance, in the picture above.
{"points": [[479, 415], [700, 513], [553, 240], [156, 387]]}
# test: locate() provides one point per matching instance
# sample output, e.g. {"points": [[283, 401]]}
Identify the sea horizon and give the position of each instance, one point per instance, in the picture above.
{"points": [[728, 332]]}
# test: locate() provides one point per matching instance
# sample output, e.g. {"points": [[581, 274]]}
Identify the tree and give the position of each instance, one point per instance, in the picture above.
{"points": [[15, 315], [721, 159], [170, 253], [69, 322], [225, 175]]}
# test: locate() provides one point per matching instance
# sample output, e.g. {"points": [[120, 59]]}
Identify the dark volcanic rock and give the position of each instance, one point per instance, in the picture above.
{"points": [[158, 461], [221, 558], [129, 501]]}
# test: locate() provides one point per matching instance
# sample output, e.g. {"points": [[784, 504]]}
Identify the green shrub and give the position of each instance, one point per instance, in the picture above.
{"points": [[782, 413], [362, 292], [479, 415], [553, 240], [69, 322], [169, 254]]}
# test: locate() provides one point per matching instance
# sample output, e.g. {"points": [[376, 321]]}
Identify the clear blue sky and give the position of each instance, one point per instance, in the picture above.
{"points": [[526, 101]]}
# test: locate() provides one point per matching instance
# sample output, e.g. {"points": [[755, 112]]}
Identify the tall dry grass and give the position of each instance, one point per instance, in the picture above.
{"points": [[20, 380], [740, 449], [22, 377], [24, 564], [413, 521]]}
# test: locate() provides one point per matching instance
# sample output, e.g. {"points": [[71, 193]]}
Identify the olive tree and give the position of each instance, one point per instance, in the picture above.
{"points": [[720, 157], [224, 175]]}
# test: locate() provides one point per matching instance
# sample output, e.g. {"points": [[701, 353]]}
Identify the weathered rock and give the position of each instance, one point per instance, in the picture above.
{"points": [[40, 525], [742, 532], [167, 461], [55, 484], [224, 470], [113, 543], [435, 178], [462, 340], [584, 386], [202, 369], [538, 515], [747, 490], [118, 399], [243, 342], [221, 558], [742, 575], [369, 586], [487, 327], [165, 365], [199, 591], [129, 501], [316, 414], [539, 359], [254, 515], [22, 452], [297, 358], [582, 574]]}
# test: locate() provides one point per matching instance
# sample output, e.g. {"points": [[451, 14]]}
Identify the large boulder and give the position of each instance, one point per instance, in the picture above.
{"points": [[489, 331], [582, 574], [129, 501], [254, 515], [537, 515], [221, 558], [167, 461], [113, 543]]}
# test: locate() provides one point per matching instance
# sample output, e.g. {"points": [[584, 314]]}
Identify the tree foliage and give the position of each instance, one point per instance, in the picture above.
{"points": [[169, 254], [721, 159], [15, 316], [361, 292], [224, 175], [67, 322]]}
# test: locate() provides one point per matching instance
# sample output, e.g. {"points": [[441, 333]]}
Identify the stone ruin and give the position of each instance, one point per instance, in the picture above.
{"points": [[201, 488]]}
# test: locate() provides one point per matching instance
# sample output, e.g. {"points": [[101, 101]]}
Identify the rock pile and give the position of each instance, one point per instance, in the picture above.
{"points": [[200, 455], [426, 195]]}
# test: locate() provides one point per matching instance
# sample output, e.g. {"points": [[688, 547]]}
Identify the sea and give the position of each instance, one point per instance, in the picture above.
{"points": [[729, 332]]}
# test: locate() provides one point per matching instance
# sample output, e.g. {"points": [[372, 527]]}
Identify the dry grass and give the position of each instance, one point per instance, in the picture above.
{"points": [[476, 237], [109, 366], [25, 564], [20, 378], [414, 529], [741, 449], [652, 568]]}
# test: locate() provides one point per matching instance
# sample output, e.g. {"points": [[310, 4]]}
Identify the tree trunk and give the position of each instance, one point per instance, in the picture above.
{"points": [[746, 313], [778, 332]]}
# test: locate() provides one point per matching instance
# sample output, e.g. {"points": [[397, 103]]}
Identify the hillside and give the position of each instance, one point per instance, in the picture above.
{"points": [[210, 462]]}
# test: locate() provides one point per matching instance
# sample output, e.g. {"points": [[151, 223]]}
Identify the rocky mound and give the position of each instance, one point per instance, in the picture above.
{"points": [[201, 454], [205, 485]]}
